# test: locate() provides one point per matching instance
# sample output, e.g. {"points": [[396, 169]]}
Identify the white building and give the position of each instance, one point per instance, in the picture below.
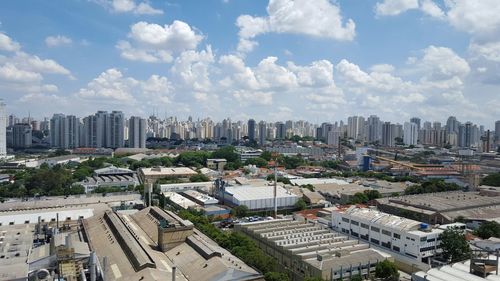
{"points": [[410, 134], [407, 237], [180, 201], [200, 198], [3, 132], [259, 197]]}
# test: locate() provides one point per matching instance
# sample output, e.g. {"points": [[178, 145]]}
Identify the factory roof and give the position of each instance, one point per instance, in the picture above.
{"points": [[200, 197], [384, 219], [180, 200], [60, 201], [167, 171], [459, 271], [112, 170], [14, 247], [248, 192], [315, 181]]}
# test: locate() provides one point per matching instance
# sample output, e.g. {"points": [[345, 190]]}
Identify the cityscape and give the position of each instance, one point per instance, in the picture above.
{"points": [[276, 140]]}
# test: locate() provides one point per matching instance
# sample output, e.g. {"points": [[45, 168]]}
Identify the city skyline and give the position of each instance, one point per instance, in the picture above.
{"points": [[327, 61]]}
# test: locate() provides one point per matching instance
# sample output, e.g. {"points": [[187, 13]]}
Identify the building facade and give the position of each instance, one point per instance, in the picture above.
{"points": [[3, 130]]}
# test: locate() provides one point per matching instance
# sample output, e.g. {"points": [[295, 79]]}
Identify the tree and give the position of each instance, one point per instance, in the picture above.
{"points": [[276, 276], [492, 180], [387, 271], [455, 247], [488, 229], [359, 197], [258, 161], [301, 204], [310, 278], [198, 178], [372, 194], [266, 155], [240, 211], [357, 278]]}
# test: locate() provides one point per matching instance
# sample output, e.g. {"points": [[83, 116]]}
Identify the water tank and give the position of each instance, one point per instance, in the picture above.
{"points": [[424, 226]]}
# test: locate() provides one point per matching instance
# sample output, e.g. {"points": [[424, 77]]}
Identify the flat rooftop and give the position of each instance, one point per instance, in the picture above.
{"points": [[15, 243], [167, 171], [249, 192]]}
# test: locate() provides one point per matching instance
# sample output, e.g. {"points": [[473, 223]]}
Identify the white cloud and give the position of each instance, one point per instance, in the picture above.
{"points": [[319, 18], [441, 63], [382, 68], [488, 50], [246, 98], [111, 86], [155, 43], [191, 69], [34, 63], [9, 72], [129, 6], [476, 17], [57, 41], [394, 7], [7, 44]]}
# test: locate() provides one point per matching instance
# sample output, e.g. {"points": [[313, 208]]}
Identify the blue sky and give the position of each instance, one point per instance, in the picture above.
{"points": [[281, 59]]}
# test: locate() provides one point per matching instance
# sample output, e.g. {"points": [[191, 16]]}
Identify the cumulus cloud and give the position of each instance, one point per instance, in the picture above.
{"points": [[7, 44], [488, 50], [129, 6], [57, 41], [396, 7], [112, 86], [320, 18], [155, 43], [441, 63]]}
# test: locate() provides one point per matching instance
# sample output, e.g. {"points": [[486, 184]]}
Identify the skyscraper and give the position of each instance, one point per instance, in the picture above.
{"points": [[251, 129], [116, 129], [137, 132], [3, 131], [104, 129], [497, 130], [374, 129], [387, 137], [262, 133], [280, 131], [21, 135], [64, 131], [452, 125], [417, 121], [410, 134]]}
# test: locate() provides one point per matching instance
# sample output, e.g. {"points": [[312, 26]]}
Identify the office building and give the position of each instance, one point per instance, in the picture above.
{"points": [[410, 135], [3, 130], [251, 130], [21, 135], [137, 132], [407, 237]]}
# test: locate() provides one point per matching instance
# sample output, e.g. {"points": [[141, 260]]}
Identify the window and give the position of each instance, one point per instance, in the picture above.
{"points": [[423, 239], [11, 223], [68, 218], [427, 249], [385, 232], [355, 234], [397, 236], [395, 248], [413, 256], [354, 222], [363, 225], [387, 245], [376, 229], [431, 240], [375, 241], [345, 220], [52, 220]]}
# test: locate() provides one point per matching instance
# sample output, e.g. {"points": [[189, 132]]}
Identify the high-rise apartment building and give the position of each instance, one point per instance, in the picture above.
{"points": [[21, 135], [374, 128], [497, 131], [410, 135], [251, 129], [280, 131], [452, 125], [104, 129], [262, 132], [65, 131], [3, 129], [137, 132], [387, 136]]}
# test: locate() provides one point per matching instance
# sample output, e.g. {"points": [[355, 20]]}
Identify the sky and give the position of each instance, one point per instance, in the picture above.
{"points": [[270, 60]]}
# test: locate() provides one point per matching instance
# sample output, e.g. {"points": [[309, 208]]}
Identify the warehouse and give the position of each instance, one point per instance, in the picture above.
{"points": [[199, 197], [151, 175], [259, 197], [306, 249], [442, 207], [180, 201]]}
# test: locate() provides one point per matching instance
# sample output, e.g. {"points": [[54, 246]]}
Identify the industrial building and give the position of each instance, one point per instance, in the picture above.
{"points": [[481, 267], [200, 198], [153, 244], [305, 249], [443, 207], [110, 177], [180, 201], [411, 238], [259, 197], [179, 187], [151, 175]]}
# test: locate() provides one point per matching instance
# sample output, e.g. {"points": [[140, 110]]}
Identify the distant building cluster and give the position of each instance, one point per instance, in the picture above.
{"points": [[114, 130]]}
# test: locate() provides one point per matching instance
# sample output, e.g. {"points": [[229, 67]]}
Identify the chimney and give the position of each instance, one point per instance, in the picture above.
{"points": [[173, 272]]}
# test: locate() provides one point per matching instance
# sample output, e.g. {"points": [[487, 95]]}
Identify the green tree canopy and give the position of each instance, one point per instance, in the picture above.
{"points": [[491, 180], [387, 271], [198, 178], [359, 197], [455, 247], [276, 276], [259, 162], [301, 204], [240, 211], [488, 229]]}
